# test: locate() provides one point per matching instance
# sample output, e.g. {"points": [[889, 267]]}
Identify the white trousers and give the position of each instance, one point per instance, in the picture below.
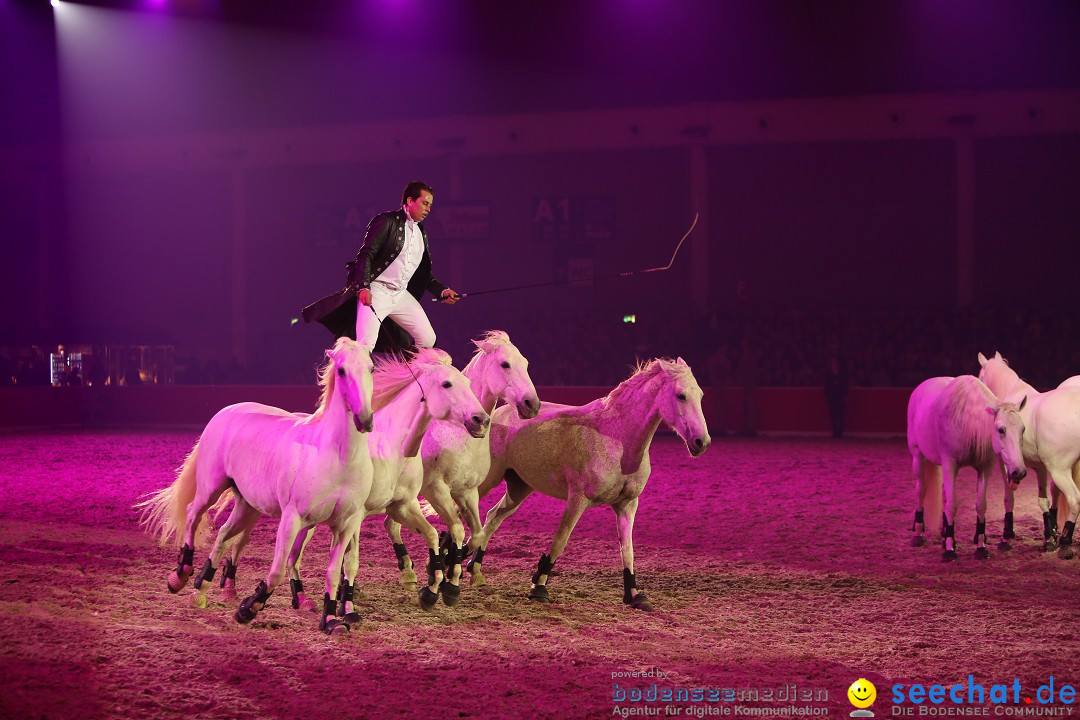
{"points": [[399, 306]]}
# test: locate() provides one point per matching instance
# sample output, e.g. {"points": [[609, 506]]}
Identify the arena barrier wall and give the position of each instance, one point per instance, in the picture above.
{"points": [[870, 411]]}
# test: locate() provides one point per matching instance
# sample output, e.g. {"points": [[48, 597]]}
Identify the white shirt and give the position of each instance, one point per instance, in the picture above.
{"points": [[396, 277]]}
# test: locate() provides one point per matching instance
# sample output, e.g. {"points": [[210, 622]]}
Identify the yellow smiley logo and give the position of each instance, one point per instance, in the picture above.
{"points": [[862, 693]]}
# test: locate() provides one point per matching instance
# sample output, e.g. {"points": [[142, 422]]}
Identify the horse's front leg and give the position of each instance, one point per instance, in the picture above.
{"points": [[300, 600], [404, 562], [1007, 532], [981, 553], [469, 505], [240, 522], [575, 505], [948, 512], [624, 520], [918, 525], [438, 496], [516, 492], [329, 622], [288, 528], [410, 515]]}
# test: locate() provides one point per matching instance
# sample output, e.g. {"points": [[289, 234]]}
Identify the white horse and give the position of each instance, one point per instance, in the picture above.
{"points": [[305, 469], [1057, 419], [955, 423], [408, 396], [455, 463], [597, 454], [1007, 385]]}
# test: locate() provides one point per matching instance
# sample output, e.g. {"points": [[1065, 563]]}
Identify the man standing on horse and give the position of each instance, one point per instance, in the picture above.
{"points": [[387, 279]]}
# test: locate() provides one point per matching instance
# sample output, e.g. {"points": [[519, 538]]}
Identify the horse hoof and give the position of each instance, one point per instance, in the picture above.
{"points": [[640, 602], [228, 593], [408, 579], [948, 556], [539, 593], [351, 618], [428, 598], [451, 594], [1008, 535], [982, 553], [477, 579], [1050, 546], [198, 601], [1004, 546], [177, 582], [308, 606], [1065, 552], [333, 627], [409, 586], [244, 615], [918, 541]]}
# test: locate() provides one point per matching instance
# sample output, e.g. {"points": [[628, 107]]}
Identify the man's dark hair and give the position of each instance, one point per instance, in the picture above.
{"points": [[412, 191]]}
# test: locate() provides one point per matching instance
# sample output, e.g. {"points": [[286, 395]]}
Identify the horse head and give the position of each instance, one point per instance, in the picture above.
{"points": [[447, 393], [679, 403], [1008, 438], [352, 369], [503, 372], [996, 374]]}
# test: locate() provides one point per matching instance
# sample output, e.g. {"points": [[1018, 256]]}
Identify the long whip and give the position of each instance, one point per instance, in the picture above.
{"points": [[629, 273]]}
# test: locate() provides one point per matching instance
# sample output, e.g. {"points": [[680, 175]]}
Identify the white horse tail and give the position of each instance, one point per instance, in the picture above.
{"points": [[164, 513], [218, 508], [931, 496]]}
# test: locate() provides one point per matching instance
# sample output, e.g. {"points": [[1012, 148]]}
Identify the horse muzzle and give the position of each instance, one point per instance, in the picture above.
{"points": [[365, 425], [528, 407], [478, 425], [1016, 476], [698, 446]]}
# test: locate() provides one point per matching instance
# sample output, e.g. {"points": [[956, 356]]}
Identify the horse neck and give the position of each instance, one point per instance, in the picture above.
{"points": [[477, 379], [633, 418], [405, 420], [335, 423]]}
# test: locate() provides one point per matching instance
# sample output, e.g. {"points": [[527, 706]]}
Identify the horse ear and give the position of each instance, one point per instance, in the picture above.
{"points": [[484, 345], [982, 360], [680, 361], [997, 355]]}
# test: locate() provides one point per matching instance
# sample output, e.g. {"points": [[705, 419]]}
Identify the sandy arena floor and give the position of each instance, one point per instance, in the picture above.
{"points": [[771, 563]]}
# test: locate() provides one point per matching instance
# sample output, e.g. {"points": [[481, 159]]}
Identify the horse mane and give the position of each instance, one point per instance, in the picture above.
{"points": [[393, 374], [997, 369], [966, 400], [327, 383], [645, 371], [495, 337]]}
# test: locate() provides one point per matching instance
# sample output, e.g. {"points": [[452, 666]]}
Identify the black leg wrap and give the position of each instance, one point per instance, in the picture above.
{"points": [[1067, 533], [186, 557], [228, 572], [918, 520], [328, 623], [980, 529], [402, 553], [247, 612], [295, 588], [947, 530], [1049, 525], [477, 558], [628, 582], [434, 563], [1008, 533], [205, 575], [543, 567]]}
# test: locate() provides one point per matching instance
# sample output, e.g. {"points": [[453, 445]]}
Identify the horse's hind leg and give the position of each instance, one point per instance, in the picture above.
{"points": [[981, 553], [300, 600], [206, 494], [242, 518], [404, 562], [1065, 482], [918, 525], [516, 492], [624, 520], [575, 505], [948, 514], [288, 528], [1049, 506]]}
